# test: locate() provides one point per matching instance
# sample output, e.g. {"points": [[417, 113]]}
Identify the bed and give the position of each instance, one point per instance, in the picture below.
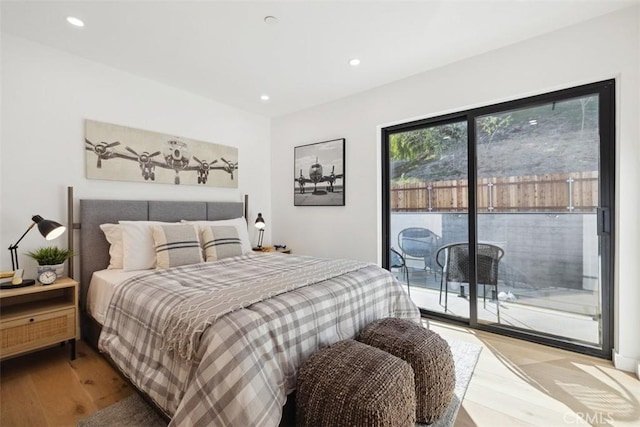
{"points": [[259, 316]]}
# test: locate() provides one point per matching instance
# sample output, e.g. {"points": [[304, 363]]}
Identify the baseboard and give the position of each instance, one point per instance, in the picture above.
{"points": [[628, 364]]}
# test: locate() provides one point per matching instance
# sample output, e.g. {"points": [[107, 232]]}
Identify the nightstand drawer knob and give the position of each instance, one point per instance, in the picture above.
{"points": [[32, 320]]}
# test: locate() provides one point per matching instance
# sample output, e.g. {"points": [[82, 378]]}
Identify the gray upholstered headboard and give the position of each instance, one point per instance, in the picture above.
{"points": [[94, 248]]}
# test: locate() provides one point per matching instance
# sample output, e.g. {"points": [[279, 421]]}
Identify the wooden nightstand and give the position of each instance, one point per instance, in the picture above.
{"points": [[272, 249], [38, 316]]}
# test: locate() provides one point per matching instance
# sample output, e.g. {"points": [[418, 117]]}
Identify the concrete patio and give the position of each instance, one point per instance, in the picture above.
{"points": [[557, 311]]}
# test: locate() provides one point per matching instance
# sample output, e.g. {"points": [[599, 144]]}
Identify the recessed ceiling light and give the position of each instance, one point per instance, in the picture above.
{"points": [[75, 21], [354, 62], [264, 97], [270, 20]]}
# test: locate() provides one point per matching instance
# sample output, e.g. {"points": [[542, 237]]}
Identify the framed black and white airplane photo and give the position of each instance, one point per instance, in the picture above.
{"points": [[318, 176]]}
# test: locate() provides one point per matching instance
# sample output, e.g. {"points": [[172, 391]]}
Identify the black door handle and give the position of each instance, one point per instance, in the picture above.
{"points": [[604, 221]]}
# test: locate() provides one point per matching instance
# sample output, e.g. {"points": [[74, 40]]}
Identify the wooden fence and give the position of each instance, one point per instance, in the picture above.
{"points": [[568, 192]]}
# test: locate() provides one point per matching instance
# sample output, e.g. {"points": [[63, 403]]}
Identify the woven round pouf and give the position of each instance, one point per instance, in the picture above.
{"points": [[428, 354], [352, 384]]}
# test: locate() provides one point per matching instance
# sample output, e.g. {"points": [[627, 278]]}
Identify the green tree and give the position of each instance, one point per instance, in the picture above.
{"points": [[493, 125], [426, 143]]}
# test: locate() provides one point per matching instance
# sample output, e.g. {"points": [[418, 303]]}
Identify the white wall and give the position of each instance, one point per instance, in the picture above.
{"points": [[47, 94], [607, 47]]}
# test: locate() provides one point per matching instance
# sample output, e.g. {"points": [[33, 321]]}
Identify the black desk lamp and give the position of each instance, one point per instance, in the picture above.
{"points": [[49, 229], [260, 226]]}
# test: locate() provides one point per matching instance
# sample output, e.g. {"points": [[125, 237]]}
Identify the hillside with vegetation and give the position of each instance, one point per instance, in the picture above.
{"points": [[552, 138]]}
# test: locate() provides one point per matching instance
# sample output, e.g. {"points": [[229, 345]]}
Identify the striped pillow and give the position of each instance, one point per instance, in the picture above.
{"points": [[176, 245], [220, 242]]}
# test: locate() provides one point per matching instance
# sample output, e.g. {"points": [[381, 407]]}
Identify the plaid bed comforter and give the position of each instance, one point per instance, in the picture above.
{"points": [[246, 361]]}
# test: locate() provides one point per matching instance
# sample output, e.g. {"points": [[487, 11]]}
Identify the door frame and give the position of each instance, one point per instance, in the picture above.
{"points": [[605, 214]]}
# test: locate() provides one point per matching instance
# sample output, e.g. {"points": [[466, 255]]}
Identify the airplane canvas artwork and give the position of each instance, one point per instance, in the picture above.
{"points": [[319, 174], [122, 153]]}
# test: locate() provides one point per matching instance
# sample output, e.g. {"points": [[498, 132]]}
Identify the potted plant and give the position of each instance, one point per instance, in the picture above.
{"points": [[51, 257]]}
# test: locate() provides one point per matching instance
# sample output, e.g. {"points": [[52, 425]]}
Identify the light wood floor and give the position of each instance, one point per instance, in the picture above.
{"points": [[517, 383], [514, 384], [46, 388]]}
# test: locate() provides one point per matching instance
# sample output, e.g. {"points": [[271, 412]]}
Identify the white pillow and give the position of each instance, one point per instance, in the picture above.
{"points": [[113, 233], [239, 223], [138, 247]]}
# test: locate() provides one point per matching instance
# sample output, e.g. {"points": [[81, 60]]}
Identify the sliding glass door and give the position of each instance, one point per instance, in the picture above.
{"points": [[428, 198], [527, 252]]}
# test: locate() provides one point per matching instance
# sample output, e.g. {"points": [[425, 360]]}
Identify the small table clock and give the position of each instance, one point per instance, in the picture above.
{"points": [[47, 276]]}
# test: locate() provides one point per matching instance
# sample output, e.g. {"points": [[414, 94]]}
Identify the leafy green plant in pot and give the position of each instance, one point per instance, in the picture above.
{"points": [[51, 258]]}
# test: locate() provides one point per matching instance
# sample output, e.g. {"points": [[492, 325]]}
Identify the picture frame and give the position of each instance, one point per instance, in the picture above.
{"points": [[319, 174], [120, 153]]}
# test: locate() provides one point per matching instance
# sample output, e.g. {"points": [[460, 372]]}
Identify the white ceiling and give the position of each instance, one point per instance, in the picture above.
{"points": [[225, 51]]}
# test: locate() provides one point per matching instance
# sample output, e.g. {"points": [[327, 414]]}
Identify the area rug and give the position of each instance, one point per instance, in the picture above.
{"points": [[135, 412], [132, 411]]}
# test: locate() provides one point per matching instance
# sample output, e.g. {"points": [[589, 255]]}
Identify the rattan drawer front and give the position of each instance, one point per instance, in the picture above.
{"points": [[32, 332]]}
